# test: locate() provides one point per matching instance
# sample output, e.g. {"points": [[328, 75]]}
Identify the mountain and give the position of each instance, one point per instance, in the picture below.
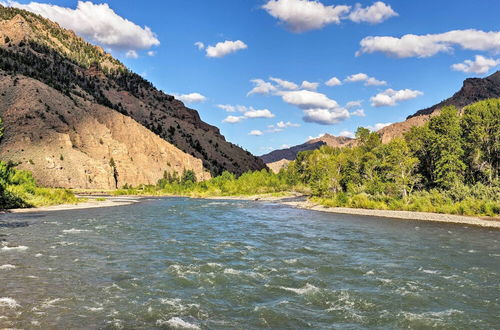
{"points": [[60, 93], [473, 90], [276, 159]]}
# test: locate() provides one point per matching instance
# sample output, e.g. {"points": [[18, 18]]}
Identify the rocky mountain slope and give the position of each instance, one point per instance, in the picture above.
{"points": [[40, 53], [473, 90]]}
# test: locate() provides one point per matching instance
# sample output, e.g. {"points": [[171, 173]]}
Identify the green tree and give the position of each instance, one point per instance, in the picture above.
{"points": [[401, 166], [446, 148], [481, 134]]}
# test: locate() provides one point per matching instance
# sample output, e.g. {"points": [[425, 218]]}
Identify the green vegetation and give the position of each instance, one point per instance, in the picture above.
{"points": [[450, 165], [18, 189]]}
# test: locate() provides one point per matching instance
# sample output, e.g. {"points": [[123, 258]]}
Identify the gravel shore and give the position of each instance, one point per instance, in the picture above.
{"points": [[90, 204]]}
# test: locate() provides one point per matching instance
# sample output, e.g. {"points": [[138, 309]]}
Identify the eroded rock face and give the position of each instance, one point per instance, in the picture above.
{"points": [[69, 143]]}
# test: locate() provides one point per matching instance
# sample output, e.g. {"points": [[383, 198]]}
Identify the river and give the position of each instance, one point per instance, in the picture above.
{"points": [[214, 264]]}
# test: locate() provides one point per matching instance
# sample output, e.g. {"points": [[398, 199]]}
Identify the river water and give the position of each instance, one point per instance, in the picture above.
{"points": [[185, 263]]}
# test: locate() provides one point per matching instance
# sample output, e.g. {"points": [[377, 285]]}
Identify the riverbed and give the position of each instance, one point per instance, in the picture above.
{"points": [[188, 263]]}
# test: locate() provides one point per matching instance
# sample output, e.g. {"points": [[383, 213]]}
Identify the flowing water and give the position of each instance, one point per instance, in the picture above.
{"points": [[182, 263]]}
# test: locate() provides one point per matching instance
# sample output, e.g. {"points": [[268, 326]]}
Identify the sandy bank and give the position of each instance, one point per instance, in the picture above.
{"points": [[405, 215], [91, 203]]}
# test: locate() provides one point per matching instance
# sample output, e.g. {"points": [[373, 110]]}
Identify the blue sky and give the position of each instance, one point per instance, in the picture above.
{"points": [[294, 41]]}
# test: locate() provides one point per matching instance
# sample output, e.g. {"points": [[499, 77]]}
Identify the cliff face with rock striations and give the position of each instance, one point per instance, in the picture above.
{"points": [[69, 107]]}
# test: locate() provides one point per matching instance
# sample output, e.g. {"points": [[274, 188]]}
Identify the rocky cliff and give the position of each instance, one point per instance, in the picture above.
{"points": [[86, 95]]}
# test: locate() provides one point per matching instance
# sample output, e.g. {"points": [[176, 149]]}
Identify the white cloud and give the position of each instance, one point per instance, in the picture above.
{"points": [[304, 15], [311, 86], [200, 45], [233, 119], [325, 116], [261, 87], [97, 23], [132, 54], [254, 113], [285, 146], [479, 65], [347, 134], [307, 99], [191, 98], [334, 81], [353, 104], [285, 84], [282, 124], [376, 13], [248, 113], [227, 47], [411, 45], [255, 132], [151, 53], [359, 113], [391, 97], [226, 107], [317, 107], [369, 81], [378, 126]]}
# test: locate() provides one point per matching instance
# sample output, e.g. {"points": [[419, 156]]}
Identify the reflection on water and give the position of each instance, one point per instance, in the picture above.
{"points": [[180, 263]]}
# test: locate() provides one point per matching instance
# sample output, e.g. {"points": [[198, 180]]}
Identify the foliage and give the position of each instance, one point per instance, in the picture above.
{"points": [[450, 165]]}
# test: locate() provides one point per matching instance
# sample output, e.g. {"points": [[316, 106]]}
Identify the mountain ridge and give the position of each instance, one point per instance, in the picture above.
{"points": [[34, 47]]}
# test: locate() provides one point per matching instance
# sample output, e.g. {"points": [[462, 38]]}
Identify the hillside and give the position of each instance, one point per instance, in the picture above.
{"points": [[82, 74]]}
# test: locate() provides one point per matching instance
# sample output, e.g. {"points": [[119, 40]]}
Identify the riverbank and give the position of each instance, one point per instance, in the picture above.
{"points": [[90, 203], [296, 200]]}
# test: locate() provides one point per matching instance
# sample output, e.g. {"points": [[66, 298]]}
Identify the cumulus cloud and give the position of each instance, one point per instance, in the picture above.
{"points": [[248, 113], [325, 116], [95, 22], [479, 65], [376, 13], [151, 53], [227, 47], [391, 97], [311, 86], [411, 45], [378, 126], [284, 83], [132, 54], [261, 87], [190, 98], [200, 45], [254, 113], [347, 134], [334, 81], [308, 99], [318, 108], [255, 132], [233, 119], [304, 15], [369, 81], [314, 138]]}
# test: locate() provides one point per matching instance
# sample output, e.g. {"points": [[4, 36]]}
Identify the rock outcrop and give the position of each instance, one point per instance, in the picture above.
{"points": [[73, 143]]}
